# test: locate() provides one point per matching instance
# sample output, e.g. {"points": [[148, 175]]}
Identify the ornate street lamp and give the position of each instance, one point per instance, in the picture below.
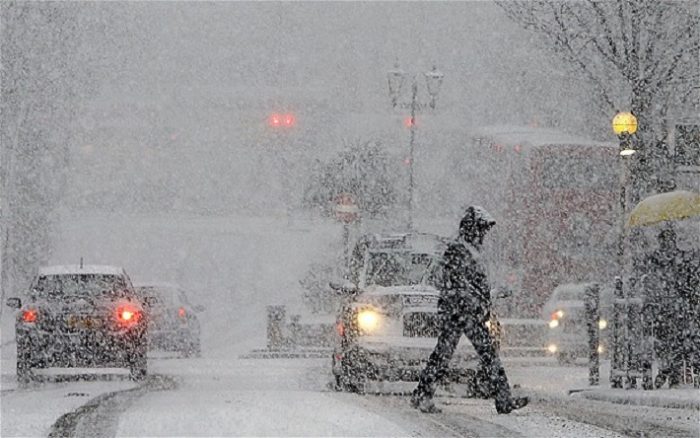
{"points": [[433, 80], [395, 78], [624, 125]]}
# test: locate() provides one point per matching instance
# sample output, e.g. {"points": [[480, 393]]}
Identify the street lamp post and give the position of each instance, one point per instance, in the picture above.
{"points": [[433, 80], [624, 125]]}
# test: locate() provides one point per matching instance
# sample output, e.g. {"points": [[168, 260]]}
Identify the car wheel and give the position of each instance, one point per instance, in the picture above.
{"points": [[185, 351], [355, 374], [25, 374], [338, 378], [197, 348], [138, 363], [339, 384]]}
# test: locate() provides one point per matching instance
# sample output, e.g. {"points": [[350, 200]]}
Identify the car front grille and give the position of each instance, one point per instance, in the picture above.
{"points": [[421, 325]]}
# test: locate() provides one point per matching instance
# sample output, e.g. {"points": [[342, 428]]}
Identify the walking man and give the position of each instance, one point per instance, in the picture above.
{"points": [[464, 308]]}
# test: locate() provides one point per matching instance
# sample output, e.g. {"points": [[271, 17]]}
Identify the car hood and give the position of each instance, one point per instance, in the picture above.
{"points": [[418, 289]]}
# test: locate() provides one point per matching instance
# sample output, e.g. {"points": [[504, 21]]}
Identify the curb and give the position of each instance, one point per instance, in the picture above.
{"points": [[632, 398]]}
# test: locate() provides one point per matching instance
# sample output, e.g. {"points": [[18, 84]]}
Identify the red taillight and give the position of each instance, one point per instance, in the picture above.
{"points": [[128, 315], [29, 315], [181, 312]]}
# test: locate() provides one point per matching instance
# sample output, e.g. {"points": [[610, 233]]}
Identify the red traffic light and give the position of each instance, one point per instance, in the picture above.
{"points": [[277, 120]]}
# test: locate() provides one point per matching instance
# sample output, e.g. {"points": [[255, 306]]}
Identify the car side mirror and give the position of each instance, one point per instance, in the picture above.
{"points": [[347, 288], [199, 308], [150, 301], [14, 302], [502, 292]]}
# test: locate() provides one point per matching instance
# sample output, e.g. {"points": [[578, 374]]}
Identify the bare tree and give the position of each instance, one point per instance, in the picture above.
{"points": [[50, 51], [363, 169], [638, 55]]}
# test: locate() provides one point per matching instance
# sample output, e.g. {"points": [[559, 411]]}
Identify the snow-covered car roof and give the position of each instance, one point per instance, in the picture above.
{"points": [[157, 285], [84, 269], [412, 242], [571, 295]]}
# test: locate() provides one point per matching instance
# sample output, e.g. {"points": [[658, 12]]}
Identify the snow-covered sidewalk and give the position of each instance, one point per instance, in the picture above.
{"points": [[559, 382]]}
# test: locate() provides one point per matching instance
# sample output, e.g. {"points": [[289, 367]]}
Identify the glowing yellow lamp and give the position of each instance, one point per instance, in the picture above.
{"points": [[624, 123]]}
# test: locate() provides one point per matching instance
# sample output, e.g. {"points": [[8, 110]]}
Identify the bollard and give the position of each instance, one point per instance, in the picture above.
{"points": [[275, 321], [295, 335], [616, 367], [635, 336], [592, 309]]}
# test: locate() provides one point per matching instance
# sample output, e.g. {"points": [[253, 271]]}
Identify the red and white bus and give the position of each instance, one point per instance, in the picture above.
{"points": [[556, 196]]}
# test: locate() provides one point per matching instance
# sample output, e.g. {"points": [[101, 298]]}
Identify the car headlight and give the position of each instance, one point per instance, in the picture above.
{"points": [[554, 323], [602, 324], [601, 349], [552, 348], [368, 320]]}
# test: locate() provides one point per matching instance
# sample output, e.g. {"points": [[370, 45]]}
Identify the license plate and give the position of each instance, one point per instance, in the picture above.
{"points": [[83, 322]]}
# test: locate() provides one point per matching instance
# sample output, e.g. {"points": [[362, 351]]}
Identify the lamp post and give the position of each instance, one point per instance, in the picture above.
{"points": [[433, 80], [624, 125]]}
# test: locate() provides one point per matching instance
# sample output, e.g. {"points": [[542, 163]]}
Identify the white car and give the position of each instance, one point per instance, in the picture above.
{"points": [[565, 314]]}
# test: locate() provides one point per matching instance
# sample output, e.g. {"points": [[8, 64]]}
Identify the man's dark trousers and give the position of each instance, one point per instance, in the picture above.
{"points": [[460, 316]]}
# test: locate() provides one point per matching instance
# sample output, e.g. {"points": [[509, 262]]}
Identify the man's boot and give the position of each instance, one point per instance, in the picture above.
{"points": [[511, 404]]}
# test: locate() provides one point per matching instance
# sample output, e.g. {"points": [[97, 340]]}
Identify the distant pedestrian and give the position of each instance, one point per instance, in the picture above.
{"points": [[689, 292], [464, 308], [663, 291]]}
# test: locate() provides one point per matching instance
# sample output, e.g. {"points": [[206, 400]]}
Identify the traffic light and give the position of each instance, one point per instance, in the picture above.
{"points": [[282, 120]]}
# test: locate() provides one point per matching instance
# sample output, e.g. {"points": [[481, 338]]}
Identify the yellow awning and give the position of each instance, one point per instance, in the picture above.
{"points": [[671, 206]]}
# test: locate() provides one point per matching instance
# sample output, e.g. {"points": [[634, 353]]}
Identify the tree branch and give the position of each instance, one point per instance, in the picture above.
{"points": [[609, 56], [565, 42]]}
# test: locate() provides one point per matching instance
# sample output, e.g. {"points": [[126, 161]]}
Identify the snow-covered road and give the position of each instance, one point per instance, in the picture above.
{"points": [[291, 397], [231, 396]]}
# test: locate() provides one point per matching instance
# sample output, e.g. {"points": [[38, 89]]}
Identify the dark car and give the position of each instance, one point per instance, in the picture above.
{"points": [[80, 316], [173, 323]]}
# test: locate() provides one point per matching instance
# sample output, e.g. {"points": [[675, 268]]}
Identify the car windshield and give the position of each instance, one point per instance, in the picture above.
{"points": [[165, 296], [79, 285], [397, 268], [569, 295]]}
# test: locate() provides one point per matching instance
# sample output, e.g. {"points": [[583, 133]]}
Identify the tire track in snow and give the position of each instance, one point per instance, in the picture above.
{"points": [[100, 415]]}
